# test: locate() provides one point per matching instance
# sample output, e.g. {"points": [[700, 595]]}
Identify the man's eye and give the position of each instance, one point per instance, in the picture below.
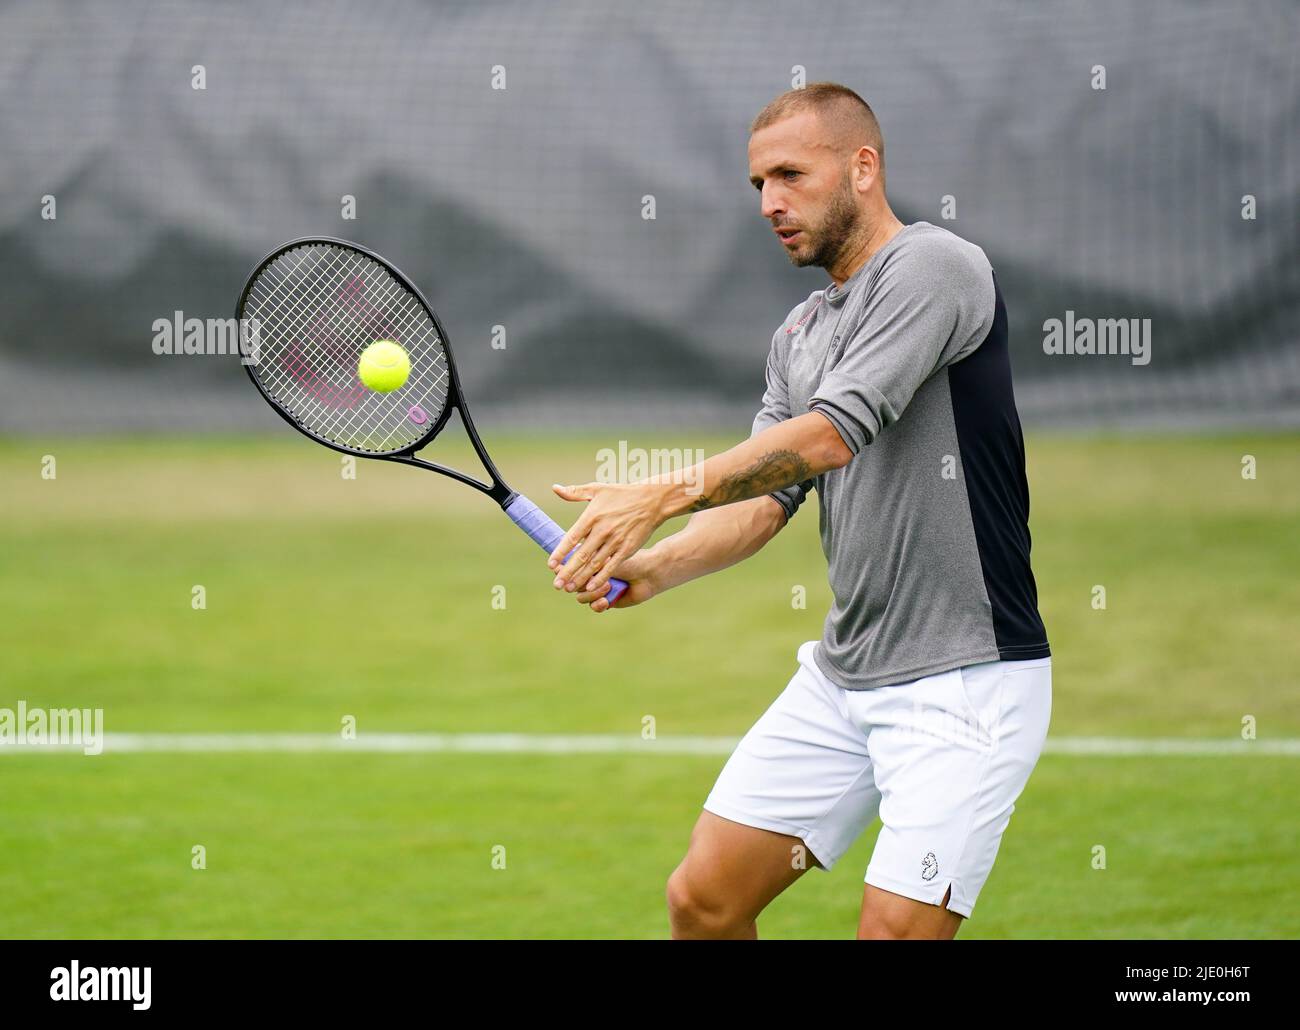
{"points": [[788, 174]]}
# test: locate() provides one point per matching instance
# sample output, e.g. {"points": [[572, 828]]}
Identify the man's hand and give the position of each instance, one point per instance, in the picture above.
{"points": [[639, 572], [615, 524]]}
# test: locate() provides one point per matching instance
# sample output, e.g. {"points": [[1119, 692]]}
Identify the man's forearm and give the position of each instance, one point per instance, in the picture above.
{"points": [[620, 517], [780, 456], [715, 539]]}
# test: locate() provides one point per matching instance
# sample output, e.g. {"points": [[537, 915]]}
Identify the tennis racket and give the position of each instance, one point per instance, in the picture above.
{"points": [[308, 310]]}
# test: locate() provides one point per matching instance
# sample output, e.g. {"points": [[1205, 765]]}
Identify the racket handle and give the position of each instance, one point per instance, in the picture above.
{"points": [[545, 531]]}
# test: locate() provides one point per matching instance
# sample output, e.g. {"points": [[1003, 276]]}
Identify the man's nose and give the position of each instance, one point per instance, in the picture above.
{"points": [[773, 203]]}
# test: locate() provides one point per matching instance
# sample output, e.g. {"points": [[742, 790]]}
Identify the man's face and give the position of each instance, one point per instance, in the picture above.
{"points": [[806, 189]]}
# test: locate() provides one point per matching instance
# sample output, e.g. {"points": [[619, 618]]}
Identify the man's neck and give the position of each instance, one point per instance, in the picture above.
{"points": [[882, 231]]}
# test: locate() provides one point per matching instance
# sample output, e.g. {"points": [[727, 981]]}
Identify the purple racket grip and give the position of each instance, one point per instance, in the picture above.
{"points": [[544, 531]]}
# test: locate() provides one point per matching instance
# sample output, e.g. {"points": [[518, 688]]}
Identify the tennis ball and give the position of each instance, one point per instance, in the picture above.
{"points": [[384, 366]]}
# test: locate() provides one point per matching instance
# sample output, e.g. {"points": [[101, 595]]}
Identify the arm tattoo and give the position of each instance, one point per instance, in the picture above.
{"points": [[773, 471]]}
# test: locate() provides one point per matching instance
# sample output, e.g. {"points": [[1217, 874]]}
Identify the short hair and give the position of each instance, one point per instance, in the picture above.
{"points": [[849, 118]]}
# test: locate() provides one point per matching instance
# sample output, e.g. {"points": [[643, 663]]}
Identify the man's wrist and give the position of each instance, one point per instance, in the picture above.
{"points": [[673, 498], [647, 562]]}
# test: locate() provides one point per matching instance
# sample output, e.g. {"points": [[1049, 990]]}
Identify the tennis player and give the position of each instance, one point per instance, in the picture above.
{"points": [[927, 699]]}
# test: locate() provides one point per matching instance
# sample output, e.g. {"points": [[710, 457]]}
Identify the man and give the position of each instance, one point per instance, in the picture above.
{"points": [[927, 699]]}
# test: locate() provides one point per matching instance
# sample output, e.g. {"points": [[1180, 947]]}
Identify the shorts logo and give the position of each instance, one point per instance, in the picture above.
{"points": [[929, 866]]}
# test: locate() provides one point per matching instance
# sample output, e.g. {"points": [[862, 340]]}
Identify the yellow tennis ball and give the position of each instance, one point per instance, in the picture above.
{"points": [[384, 366]]}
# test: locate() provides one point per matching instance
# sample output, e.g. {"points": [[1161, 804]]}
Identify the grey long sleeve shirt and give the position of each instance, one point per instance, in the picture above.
{"points": [[925, 530]]}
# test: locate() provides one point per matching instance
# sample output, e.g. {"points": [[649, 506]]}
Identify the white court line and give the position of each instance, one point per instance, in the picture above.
{"points": [[587, 744]]}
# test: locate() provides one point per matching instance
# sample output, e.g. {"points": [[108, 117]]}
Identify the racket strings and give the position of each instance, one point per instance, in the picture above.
{"points": [[317, 307], [332, 318]]}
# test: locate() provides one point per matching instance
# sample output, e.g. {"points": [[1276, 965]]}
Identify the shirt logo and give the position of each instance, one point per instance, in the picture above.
{"points": [[798, 326], [929, 866]]}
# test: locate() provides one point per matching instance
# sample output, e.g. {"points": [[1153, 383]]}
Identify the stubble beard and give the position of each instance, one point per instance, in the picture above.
{"points": [[839, 228]]}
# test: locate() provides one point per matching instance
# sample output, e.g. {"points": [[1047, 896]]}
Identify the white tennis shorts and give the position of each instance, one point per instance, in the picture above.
{"points": [[941, 760]]}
